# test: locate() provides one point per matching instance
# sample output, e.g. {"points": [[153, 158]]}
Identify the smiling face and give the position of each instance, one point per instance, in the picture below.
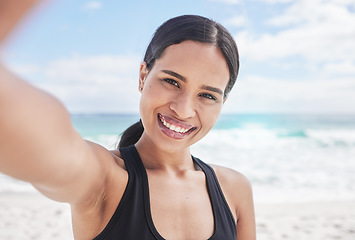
{"points": [[182, 95]]}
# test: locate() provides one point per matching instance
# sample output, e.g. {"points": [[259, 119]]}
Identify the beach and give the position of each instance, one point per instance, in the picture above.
{"points": [[301, 168], [32, 216], [25, 216], [306, 221]]}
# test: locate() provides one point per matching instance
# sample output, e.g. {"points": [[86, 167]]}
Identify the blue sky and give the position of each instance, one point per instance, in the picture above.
{"points": [[296, 56]]}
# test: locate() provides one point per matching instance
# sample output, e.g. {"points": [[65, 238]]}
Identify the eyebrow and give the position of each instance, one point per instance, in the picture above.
{"points": [[174, 74], [213, 89], [182, 78]]}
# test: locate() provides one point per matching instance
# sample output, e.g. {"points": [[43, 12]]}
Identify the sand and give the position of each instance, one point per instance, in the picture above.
{"points": [[32, 216], [306, 221]]}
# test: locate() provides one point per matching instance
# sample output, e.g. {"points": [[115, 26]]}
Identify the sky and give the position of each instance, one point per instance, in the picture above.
{"points": [[296, 56]]}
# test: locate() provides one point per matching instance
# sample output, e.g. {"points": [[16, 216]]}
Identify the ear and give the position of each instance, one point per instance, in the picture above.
{"points": [[143, 72]]}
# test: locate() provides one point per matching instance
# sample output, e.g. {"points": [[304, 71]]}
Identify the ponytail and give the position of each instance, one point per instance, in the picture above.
{"points": [[131, 135]]}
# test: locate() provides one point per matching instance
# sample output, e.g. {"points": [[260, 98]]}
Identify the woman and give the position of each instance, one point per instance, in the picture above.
{"points": [[151, 187]]}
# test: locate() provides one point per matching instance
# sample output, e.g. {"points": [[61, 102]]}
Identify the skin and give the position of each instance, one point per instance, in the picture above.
{"points": [[92, 179], [11, 13], [194, 98]]}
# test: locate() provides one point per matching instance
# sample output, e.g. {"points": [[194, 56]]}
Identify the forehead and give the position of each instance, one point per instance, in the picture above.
{"points": [[195, 60]]}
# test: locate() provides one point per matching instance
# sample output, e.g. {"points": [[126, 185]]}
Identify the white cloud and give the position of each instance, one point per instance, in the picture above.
{"points": [[343, 2], [92, 69], [260, 94], [226, 1], [28, 69], [103, 83], [92, 6], [318, 31], [314, 12], [109, 84], [273, 1], [237, 21], [340, 68]]}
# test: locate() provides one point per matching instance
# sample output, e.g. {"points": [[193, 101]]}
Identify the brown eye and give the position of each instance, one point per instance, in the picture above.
{"points": [[172, 82], [208, 96]]}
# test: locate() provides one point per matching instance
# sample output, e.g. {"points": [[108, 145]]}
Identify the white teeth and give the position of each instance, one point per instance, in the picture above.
{"points": [[173, 127], [183, 130]]}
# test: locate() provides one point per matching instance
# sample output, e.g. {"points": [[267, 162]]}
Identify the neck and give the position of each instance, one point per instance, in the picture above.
{"points": [[155, 157]]}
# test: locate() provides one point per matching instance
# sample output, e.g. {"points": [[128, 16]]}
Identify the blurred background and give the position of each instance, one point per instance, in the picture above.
{"points": [[296, 56], [289, 123]]}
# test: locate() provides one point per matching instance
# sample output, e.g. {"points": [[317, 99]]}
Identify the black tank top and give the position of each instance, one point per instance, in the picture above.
{"points": [[132, 219]]}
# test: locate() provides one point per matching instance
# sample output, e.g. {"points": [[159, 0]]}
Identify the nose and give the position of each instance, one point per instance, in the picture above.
{"points": [[184, 106]]}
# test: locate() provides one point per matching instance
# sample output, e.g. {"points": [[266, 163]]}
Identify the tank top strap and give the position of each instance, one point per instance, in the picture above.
{"points": [[134, 162], [129, 156], [224, 221], [132, 218]]}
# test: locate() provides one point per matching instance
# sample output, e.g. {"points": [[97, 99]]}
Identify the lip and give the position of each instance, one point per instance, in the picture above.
{"points": [[174, 128]]}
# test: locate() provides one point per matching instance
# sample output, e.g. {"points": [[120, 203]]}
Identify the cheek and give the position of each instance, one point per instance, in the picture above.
{"points": [[155, 94], [145, 103], [147, 95], [151, 98], [145, 109], [209, 115]]}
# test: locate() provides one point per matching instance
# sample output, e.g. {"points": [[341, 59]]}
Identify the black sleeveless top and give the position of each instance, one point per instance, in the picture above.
{"points": [[132, 219]]}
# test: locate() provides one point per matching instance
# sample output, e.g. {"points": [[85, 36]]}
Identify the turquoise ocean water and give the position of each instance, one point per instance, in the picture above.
{"points": [[293, 158]]}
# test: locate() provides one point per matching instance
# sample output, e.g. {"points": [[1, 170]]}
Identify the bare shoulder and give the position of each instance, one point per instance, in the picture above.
{"points": [[238, 193], [89, 217], [118, 158], [106, 170], [107, 157], [230, 178], [112, 164], [236, 189]]}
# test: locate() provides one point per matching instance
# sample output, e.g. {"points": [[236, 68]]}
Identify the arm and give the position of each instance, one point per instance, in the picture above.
{"points": [[11, 12], [38, 143], [245, 212], [238, 193]]}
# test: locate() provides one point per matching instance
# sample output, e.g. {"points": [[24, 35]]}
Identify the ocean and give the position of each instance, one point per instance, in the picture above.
{"points": [[287, 158]]}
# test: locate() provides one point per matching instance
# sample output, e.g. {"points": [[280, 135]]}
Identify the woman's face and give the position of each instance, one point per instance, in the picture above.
{"points": [[182, 95]]}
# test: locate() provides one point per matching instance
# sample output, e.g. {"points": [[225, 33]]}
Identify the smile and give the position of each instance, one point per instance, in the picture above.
{"points": [[177, 129]]}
